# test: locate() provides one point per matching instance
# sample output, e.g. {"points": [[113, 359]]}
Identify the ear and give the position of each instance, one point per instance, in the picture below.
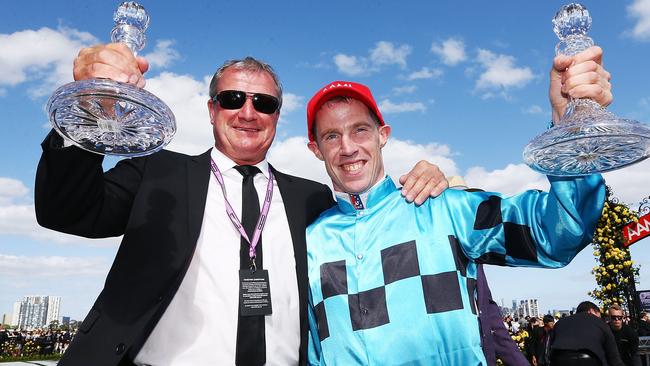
{"points": [[384, 133], [313, 146], [211, 111]]}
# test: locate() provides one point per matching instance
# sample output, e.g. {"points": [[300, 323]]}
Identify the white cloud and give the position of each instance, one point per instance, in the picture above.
{"points": [[44, 53], [407, 89], [385, 53], [291, 102], [630, 184], [20, 219], [187, 98], [513, 179], [400, 156], [533, 109], [500, 72], [451, 51], [640, 10], [11, 189], [351, 65], [21, 267], [425, 73], [163, 54], [388, 107], [292, 156]]}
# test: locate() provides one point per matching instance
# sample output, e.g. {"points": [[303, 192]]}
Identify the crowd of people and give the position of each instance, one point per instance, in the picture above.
{"points": [[580, 338], [24, 343]]}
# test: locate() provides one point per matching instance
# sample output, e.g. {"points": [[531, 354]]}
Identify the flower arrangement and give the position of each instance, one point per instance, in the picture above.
{"points": [[615, 271]]}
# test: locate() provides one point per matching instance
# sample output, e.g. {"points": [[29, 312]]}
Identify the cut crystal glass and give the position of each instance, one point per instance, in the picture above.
{"points": [[587, 139], [112, 118]]}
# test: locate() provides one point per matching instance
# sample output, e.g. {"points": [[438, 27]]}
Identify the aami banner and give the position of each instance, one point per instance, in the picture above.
{"points": [[636, 231]]}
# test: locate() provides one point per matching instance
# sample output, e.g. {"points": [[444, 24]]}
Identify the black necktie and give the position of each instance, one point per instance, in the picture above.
{"points": [[251, 343]]}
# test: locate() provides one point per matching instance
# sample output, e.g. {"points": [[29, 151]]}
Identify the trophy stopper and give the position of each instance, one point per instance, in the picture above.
{"points": [[131, 20], [571, 24], [572, 19]]}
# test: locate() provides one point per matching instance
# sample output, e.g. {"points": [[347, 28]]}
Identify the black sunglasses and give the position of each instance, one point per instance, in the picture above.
{"points": [[616, 317], [235, 99]]}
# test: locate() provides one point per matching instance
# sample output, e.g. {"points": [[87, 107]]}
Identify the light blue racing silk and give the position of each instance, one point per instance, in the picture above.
{"points": [[394, 283]]}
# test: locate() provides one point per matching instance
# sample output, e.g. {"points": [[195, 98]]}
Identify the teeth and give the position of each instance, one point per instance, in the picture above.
{"points": [[352, 167]]}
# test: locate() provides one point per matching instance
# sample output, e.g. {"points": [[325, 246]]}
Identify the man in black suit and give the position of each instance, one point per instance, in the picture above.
{"points": [[627, 340], [542, 342], [171, 294], [583, 339]]}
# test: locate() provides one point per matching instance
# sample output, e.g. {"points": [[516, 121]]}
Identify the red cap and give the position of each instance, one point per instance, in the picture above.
{"points": [[337, 89]]}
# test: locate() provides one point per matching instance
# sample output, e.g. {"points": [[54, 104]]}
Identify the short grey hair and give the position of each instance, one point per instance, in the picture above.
{"points": [[249, 64]]}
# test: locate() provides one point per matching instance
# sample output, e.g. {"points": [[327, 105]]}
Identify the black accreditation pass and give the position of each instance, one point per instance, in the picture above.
{"points": [[254, 292]]}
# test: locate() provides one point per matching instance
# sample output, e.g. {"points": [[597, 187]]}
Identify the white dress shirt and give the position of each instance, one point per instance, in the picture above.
{"points": [[200, 325]]}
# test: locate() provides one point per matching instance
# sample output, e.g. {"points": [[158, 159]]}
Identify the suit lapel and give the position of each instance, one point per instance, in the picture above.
{"points": [[198, 178], [294, 205]]}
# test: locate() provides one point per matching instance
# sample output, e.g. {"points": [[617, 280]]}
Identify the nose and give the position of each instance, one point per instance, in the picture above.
{"points": [[247, 111], [348, 147]]}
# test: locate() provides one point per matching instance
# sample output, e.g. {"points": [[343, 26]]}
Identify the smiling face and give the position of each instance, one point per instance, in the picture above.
{"points": [[349, 141], [244, 135]]}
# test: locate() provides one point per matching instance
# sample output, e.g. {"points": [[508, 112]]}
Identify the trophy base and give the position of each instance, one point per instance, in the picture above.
{"points": [[111, 118], [576, 149]]}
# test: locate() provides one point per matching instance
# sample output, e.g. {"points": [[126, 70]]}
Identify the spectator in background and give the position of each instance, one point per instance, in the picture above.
{"points": [[627, 340], [584, 339], [644, 325], [542, 342]]}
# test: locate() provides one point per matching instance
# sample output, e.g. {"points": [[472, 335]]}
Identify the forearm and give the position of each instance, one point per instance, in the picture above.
{"points": [[534, 228], [72, 195], [567, 218]]}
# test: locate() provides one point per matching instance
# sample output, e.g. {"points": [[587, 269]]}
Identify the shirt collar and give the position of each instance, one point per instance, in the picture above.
{"points": [[349, 203], [226, 164]]}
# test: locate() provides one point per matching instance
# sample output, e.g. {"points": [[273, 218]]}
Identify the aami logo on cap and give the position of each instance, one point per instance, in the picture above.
{"points": [[336, 85]]}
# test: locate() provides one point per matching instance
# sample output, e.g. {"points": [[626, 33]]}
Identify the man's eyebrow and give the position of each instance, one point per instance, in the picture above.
{"points": [[329, 130], [338, 129]]}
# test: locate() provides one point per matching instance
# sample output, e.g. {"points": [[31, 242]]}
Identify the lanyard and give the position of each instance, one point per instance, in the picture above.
{"points": [[233, 216]]}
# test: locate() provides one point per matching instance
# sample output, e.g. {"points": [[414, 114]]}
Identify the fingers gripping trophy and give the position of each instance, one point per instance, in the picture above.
{"points": [[109, 117], [587, 139]]}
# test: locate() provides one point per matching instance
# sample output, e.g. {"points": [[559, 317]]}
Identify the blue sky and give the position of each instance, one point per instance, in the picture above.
{"points": [[463, 85]]}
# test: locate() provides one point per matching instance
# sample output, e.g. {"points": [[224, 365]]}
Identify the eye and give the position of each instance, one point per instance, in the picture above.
{"points": [[330, 137], [362, 129]]}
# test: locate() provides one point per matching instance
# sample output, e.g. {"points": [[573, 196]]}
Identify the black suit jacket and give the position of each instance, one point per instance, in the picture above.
{"points": [[157, 203], [586, 332]]}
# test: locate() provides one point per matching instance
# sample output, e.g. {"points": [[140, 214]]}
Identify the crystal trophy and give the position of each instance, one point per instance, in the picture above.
{"points": [[109, 117], [587, 139]]}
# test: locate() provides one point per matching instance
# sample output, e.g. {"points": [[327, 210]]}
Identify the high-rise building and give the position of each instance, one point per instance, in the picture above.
{"points": [[38, 311], [14, 318], [528, 307], [53, 307]]}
